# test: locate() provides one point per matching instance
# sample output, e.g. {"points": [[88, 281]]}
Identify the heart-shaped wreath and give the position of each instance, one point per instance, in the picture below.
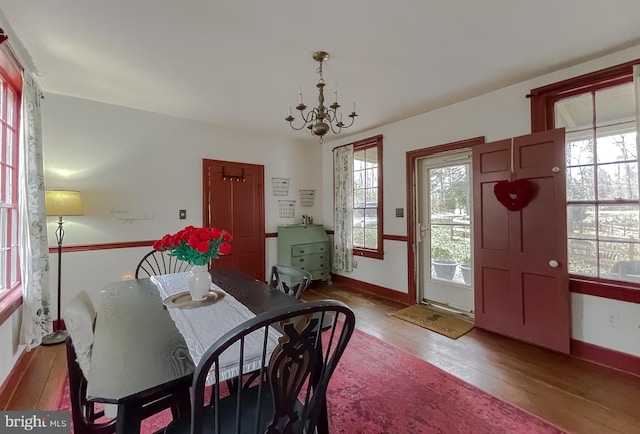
{"points": [[514, 195]]}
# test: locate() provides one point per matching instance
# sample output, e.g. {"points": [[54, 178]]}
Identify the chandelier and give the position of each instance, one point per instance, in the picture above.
{"points": [[319, 120]]}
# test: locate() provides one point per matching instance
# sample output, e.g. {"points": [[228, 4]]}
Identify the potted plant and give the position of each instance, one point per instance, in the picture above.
{"points": [[443, 264], [465, 269]]}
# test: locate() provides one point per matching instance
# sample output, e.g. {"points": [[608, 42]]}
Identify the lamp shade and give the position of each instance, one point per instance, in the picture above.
{"points": [[63, 202]]}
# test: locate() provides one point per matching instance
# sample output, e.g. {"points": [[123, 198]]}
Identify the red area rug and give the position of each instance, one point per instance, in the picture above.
{"points": [[378, 388]]}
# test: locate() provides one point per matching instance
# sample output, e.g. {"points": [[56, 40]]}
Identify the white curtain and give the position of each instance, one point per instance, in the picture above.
{"points": [[34, 251], [343, 208]]}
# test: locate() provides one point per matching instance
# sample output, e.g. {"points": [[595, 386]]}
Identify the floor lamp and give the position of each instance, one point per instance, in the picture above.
{"points": [[60, 203]]}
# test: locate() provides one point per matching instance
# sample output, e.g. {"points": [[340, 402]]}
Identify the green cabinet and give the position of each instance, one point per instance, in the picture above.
{"points": [[305, 247]]}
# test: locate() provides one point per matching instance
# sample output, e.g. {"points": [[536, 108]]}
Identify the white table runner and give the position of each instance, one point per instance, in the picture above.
{"points": [[202, 326]]}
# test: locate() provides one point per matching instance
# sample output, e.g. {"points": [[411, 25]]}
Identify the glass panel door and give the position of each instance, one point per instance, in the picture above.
{"points": [[446, 234]]}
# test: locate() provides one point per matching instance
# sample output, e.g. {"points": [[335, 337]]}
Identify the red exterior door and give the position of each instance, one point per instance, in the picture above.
{"points": [[520, 256], [233, 199]]}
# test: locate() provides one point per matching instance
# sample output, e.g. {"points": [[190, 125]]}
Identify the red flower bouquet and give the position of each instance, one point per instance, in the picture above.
{"points": [[197, 246]]}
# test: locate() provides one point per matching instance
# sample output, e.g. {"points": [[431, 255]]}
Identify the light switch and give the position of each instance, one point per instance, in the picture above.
{"points": [[183, 214]]}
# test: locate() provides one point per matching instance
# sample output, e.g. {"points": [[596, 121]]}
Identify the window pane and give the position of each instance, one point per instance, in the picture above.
{"points": [[579, 149], [370, 238], [615, 105], [612, 146], [1, 100], [366, 222], [449, 187], [624, 269], [371, 177], [358, 237], [371, 158], [3, 266], [580, 183], [619, 222], [358, 218], [574, 113], [358, 160], [4, 227], [9, 185], [371, 218], [581, 221], [620, 260], [9, 148], [371, 198], [618, 181], [359, 197], [13, 280], [582, 257], [11, 116]]}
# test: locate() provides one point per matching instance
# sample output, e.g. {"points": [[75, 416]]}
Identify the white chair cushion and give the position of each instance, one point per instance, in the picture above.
{"points": [[79, 317]]}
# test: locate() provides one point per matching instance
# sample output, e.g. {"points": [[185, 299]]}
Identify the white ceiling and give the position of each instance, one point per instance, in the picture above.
{"points": [[240, 63]]}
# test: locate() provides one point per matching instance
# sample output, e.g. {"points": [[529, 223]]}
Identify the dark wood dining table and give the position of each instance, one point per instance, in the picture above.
{"points": [[138, 353]]}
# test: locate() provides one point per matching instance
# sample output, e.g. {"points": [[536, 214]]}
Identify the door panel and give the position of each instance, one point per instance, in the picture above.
{"points": [[234, 200], [518, 292], [445, 232]]}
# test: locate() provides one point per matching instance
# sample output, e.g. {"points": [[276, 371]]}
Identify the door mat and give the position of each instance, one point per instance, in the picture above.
{"points": [[435, 320]]}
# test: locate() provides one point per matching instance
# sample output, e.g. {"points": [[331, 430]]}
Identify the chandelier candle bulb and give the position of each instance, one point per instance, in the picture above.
{"points": [[289, 108], [300, 97]]}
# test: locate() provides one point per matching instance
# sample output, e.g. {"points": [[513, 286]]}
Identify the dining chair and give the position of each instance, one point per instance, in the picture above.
{"points": [[156, 263], [284, 392], [79, 318], [289, 280]]}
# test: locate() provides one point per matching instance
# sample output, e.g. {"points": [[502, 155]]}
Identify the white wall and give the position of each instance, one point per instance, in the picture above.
{"points": [[10, 348], [497, 115], [137, 169]]}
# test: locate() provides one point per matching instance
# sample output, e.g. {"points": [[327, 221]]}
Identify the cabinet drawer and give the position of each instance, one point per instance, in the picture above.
{"points": [[321, 274], [308, 249], [310, 261]]}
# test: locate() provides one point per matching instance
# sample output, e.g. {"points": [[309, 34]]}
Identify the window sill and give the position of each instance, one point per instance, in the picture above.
{"points": [[368, 254], [610, 289], [10, 302]]}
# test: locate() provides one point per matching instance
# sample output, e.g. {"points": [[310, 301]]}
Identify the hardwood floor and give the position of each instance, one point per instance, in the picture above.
{"points": [[575, 395]]}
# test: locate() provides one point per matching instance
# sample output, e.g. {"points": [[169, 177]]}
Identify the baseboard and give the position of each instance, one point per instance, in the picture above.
{"points": [[369, 288], [606, 357]]}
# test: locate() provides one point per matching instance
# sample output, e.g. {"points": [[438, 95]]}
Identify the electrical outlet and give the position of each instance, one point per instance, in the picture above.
{"points": [[182, 214], [613, 320], [354, 263]]}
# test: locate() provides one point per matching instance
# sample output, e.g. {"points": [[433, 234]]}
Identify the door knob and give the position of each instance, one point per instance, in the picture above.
{"points": [[553, 263]]}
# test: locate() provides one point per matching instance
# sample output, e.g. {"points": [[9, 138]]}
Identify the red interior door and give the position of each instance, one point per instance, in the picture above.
{"points": [[233, 199], [521, 275]]}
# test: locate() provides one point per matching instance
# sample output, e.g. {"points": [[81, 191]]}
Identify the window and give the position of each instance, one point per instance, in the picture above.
{"points": [[10, 95], [598, 112], [367, 197]]}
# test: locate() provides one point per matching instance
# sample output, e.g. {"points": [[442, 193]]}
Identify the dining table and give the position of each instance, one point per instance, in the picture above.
{"points": [[138, 352]]}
